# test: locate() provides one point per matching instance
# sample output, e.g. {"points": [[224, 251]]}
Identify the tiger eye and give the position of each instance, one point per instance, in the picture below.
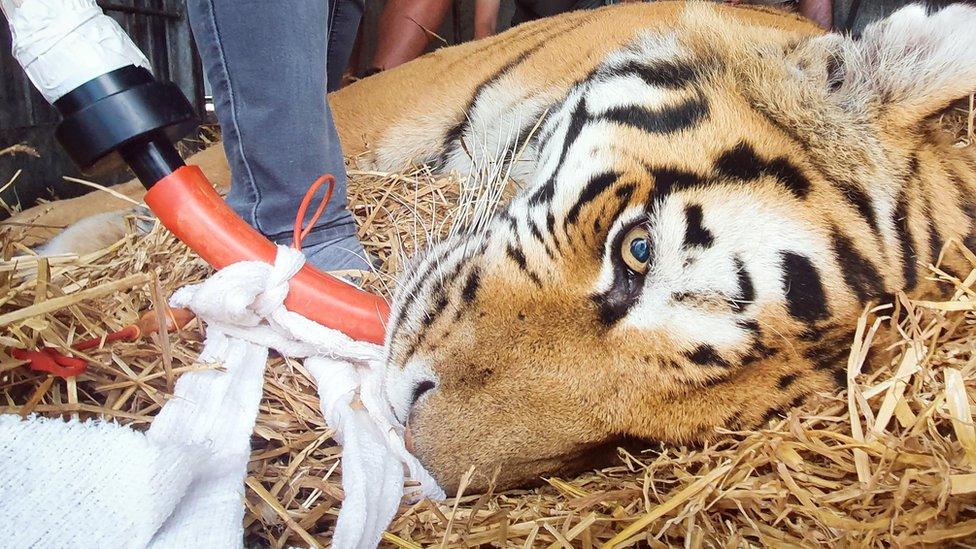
{"points": [[635, 249]]}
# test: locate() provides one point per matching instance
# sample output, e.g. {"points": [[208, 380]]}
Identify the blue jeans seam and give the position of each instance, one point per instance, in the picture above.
{"points": [[331, 35], [234, 119]]}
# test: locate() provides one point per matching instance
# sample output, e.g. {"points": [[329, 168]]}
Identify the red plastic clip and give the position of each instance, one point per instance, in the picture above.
{"points": [[53, 362]]}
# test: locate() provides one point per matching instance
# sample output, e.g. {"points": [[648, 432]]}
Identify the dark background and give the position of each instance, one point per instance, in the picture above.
{"points": [[160, 28]]}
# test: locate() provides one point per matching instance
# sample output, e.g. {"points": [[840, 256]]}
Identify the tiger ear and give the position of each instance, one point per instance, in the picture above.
{"points": [[908, 66]]}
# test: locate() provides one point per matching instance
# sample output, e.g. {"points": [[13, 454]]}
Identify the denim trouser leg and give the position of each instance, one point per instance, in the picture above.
{"points": [[343, 27], [267, 62]]}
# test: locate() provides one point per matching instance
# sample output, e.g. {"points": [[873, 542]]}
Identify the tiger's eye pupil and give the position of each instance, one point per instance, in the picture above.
{"points": [[640, 249]]}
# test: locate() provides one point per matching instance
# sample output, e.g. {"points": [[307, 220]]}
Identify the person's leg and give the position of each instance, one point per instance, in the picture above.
{"points": [[485, 17], [530, 10], [343, 25], [266, 62], [820, 11], [401, 30]]}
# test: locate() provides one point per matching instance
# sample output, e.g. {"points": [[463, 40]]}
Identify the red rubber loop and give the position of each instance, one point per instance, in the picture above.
{"points": [[188, 206], [299, 233]]}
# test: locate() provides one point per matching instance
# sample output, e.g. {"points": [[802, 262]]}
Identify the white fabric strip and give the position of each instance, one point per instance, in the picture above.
{"points": [[97, 484]]}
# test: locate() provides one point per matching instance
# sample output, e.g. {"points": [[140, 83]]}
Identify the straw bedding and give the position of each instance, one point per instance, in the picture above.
{"points": [[890, 462]]}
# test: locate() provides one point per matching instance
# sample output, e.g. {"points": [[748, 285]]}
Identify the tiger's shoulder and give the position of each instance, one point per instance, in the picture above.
{"points": [[490, 93]]}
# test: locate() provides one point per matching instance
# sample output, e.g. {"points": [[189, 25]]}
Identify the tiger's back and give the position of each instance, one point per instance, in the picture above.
{"points": [[423, 110]]}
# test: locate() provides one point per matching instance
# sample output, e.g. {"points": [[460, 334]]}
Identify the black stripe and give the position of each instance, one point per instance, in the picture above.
{"points": [[624, 194], [519, 34], [706, 355], [747, 292], [740, 162], [858, 271], [788, 130], [695, 232], [593, 188], [908, 255], [743, 163], [790, 176], [968, 206], [432, 313], [840, 377], [512, 222], [935, 240], [774, 412], [749, 324], [526, 136], [797, 401], [411, 292], [457, 131], [661, 74], [551, 227], [443, 280], [577, 120], [787, 380], [668, 180], [860, 200], [759, 351], [518, 257], [805, 298], [716, 381], [537, 234], [830, 354], [471, 285], [665, 121], [827, 340]]}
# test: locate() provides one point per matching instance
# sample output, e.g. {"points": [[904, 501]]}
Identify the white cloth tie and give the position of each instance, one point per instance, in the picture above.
{"points": [[97, 484]]}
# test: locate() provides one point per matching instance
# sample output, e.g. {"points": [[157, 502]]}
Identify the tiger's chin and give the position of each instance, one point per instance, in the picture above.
{"points": [[480, 469]]}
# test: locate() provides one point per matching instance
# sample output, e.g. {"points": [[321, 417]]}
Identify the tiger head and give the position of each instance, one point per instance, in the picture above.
{"points": [[711, 208]]}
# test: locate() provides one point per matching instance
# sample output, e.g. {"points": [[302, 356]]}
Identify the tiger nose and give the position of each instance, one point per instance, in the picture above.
{"points": [[408, 437], [418, 391], [406, 386]]}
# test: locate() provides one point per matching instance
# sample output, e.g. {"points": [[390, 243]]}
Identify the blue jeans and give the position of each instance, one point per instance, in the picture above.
{"points": [[269, 63]]}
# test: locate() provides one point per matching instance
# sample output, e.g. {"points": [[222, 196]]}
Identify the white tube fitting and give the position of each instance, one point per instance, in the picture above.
{"points": [[64, 43]]}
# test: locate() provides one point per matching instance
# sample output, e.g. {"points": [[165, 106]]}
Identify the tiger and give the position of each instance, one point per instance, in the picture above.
{"points": [[712, 196]]}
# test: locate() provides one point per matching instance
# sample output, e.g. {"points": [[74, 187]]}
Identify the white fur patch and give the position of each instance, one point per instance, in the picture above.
{"points": [[92, 233], [912, 60], [743, 227]]}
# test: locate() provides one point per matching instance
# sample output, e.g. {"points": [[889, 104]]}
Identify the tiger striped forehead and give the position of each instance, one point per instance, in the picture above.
{"points": [[710, 208]]}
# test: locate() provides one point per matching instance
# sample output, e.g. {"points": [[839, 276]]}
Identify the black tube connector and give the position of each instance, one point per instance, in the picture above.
{"points": [[125, 115]]}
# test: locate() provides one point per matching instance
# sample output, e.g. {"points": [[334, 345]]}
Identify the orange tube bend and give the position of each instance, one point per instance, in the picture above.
{"points": [[187, 205]]}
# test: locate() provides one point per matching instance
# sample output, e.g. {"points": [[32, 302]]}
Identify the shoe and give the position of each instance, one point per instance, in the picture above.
{"points": [[343, 254]]}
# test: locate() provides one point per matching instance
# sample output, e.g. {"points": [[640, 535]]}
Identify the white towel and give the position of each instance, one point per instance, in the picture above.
{"points": [[97, 484]]}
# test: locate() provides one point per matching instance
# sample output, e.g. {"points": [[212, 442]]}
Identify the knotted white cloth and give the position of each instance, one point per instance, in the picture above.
{"points": [[97, 484]]}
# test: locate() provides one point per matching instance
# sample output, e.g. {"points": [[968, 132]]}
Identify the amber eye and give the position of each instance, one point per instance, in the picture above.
{"points": [[636, 249]]}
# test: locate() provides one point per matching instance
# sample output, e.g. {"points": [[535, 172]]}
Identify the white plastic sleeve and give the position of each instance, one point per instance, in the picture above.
{"points": [[64, 43]]}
